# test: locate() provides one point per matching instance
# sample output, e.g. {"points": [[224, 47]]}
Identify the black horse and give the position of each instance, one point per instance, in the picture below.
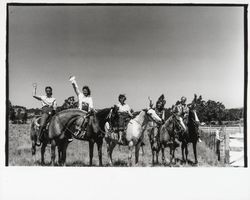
{"points": [[191, 135]]}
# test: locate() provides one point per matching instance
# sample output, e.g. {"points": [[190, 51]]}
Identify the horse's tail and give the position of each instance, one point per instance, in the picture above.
{"points": [[142, 150]]}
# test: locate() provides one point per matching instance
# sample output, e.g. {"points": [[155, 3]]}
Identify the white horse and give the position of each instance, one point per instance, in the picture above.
{"points": [[134, 134]]}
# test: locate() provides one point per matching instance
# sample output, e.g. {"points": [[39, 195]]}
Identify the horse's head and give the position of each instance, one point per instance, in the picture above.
{"points": [[179, 124], [113, 115], [154, 138], [152, 116]]}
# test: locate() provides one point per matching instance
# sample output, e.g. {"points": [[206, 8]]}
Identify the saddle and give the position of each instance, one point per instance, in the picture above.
{"points": [[81, 126], [46, 126], [118, 126], [123, 121]]}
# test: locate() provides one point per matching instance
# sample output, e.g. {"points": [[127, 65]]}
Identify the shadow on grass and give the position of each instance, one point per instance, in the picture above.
{"points": [[120, 163], [78, 163]]}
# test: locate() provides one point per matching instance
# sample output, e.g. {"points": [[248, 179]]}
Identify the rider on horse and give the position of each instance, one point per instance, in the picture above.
{"points": [[182, 110], [85, 103], [125, 115], [48, 109], [159, 108], [192, 106]]}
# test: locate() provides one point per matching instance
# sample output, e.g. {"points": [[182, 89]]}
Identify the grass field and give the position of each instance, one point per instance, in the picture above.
{"points": [[77, 153]]}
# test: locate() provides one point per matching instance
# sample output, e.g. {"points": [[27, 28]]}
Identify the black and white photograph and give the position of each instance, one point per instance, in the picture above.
{"points": [[126, 85], [124, 100]]}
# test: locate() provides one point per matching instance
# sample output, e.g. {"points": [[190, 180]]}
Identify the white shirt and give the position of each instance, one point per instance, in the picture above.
{"points": [[48, 101], [123, 108], [84, 100]]}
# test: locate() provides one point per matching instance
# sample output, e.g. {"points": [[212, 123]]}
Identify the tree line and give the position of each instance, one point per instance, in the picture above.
{"points": [[212, 111], [209, 111]]}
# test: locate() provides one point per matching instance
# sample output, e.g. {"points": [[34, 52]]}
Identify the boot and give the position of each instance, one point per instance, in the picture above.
{"points": [[120, 137]]}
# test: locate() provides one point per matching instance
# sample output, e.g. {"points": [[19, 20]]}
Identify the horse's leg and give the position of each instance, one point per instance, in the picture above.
{"points": [[195, 152], [43, 147], [33, 150], [163, 154], [182, 151], [130, 148], [53, 153], [59, 149], [91, 150], [186, 151], [99, 148], [137, 150], [111, 147], [157, 155], [33, 147], [153, 155], [64, 153], [108, 151], [173, 153]]}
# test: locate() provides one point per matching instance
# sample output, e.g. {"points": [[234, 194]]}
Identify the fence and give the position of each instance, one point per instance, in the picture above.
{"points": [[231, 149]]}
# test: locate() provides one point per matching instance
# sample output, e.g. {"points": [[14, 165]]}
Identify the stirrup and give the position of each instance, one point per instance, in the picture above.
{"points": [[38, 143], [77, 133]]}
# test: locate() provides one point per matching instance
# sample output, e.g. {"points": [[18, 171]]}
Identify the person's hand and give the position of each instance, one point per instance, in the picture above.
{"points": [[34, 85], [72, 78]]}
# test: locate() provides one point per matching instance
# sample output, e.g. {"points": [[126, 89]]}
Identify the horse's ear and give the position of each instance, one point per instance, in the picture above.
{"points": [[150, 102]]}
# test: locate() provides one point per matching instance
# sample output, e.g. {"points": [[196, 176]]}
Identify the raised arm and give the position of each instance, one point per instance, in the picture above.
{"points": [[75, 86], [34, 94]]}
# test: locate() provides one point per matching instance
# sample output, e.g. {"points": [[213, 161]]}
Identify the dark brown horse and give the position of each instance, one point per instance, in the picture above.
{"points": [[65, 122], [164, 136], [191, 135]]}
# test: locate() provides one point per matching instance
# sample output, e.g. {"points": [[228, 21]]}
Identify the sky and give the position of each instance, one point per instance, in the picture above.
{"points": [[137, 50]]}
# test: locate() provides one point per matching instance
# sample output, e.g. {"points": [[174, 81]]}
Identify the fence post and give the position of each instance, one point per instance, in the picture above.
{"points": [[227, 149]]}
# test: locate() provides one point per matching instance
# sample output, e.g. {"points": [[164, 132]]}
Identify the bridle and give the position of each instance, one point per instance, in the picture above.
{"points": [[177, 124]]}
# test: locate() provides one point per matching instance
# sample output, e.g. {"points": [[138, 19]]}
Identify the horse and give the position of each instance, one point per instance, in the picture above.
{"points": [[134, 134], [35, 125], [66, 122], [34, 132], [164, 136], [190, 136]]}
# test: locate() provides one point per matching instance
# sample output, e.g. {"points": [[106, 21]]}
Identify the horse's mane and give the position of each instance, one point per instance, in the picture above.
{"points": [[191, 119], [102, 112], [168, 119], [102, 115], [71, 110]]}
